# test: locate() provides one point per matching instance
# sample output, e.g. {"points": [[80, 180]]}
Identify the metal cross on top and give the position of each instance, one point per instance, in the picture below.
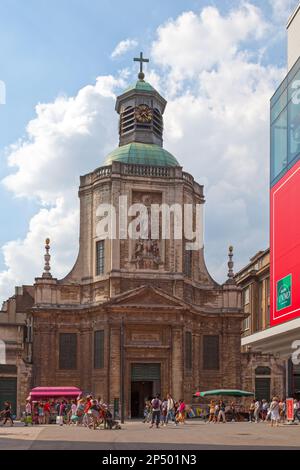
{"points": [[141, 60]]}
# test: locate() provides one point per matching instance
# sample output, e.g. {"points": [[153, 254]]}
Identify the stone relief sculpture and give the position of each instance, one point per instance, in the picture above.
{"points": [[147, 254]]}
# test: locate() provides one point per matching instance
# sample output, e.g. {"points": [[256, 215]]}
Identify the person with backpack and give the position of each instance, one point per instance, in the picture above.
{"points": [[156, 409]]}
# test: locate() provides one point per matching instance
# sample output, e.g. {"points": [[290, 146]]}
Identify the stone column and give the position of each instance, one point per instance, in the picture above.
{"points": [[114, 370], [177, 364]]}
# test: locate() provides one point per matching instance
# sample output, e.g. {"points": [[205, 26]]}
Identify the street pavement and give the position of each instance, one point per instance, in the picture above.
{"points": [[135, 435]]}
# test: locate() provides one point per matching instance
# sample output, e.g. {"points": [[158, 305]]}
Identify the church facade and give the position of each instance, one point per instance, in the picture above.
{"points": [[136, 316]]}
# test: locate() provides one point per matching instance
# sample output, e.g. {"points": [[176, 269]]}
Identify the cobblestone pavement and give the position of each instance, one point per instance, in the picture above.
{"points": [[136, 435]]}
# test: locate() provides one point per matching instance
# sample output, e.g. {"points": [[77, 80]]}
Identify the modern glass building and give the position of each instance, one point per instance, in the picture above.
{"points": [[285, 125]]}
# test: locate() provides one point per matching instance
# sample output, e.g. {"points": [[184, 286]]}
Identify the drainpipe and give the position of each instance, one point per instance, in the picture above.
{"points": [[122, 372]]}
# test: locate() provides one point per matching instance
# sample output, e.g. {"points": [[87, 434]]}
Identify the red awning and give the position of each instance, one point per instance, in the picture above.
{"points": [[49, 392]]}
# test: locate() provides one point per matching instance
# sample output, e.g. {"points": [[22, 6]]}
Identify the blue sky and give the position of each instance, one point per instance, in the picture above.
{"points": [[55, 48]]}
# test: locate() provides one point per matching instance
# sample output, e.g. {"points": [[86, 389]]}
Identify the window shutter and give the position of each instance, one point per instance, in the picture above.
{"points": [[211, 355], [188, 254], [100, 257], [68, 351]]}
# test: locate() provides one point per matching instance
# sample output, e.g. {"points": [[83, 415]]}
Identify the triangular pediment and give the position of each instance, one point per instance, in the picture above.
{"points": [[148, 296]]}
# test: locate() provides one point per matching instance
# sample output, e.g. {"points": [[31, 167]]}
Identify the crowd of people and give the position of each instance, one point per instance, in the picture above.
{"points": [[258, 411], [90, 412], [84, 411], [161, 412]]}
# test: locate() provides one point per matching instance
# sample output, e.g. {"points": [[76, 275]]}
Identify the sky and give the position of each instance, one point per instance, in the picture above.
{"points": [[64, 62]]}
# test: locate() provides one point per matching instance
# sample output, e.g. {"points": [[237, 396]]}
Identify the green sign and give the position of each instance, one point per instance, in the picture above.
{"points": [[284, 293]]}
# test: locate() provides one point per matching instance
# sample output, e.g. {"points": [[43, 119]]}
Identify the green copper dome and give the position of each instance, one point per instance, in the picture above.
{"points": [[142, 154], [140, 85]]}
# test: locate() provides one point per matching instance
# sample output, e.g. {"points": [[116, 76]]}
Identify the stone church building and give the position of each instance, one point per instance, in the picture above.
{"points": [[136, 317]]}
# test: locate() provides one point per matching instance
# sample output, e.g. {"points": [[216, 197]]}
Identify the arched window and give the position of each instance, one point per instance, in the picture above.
{"points": [[2, 352], [127, 120], [261, 370]]}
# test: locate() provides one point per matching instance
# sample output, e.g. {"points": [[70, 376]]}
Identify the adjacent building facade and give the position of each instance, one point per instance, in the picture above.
{"points": [[16, 348], [264, 373], [282, 338]]}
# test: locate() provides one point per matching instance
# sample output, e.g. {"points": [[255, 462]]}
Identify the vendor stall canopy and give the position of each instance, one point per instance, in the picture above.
{"points": [[54, 392]]}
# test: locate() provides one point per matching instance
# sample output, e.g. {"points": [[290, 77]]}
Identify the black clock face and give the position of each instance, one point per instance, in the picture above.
{"points": [[143, 114]]}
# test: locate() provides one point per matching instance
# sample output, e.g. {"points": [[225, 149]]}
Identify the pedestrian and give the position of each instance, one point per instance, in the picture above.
{"points": [[256, 412], [41, 413], [251, 411], [164, 412], [147, 411], [35, 413], [170, 408], [80, 411], [176, 413], [274, 409], [87, 412], [47, 411], [28, 417], [264, 409], [296, 409], [61, 413], [181, 412], [156, 409], [94, 409], [211, 418], [233, 412], [222, 408], [282, 408], [217, 409], [7, 414]]}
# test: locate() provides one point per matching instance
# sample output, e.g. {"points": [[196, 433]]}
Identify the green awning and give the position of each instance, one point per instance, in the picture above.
{"points": [[224, 392]]}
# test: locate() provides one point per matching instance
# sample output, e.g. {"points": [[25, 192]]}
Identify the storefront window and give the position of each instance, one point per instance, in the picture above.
{"points": [[279, 106], [279, 145], [294, 120], [285, 125]]}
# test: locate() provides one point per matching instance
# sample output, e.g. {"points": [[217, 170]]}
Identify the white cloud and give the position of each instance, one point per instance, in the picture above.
{"points": [[282, 9], [216, 124], [123, 47], [217, 121], [196, 42], [66, 139]]}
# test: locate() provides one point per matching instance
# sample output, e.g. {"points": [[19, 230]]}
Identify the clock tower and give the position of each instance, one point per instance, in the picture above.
{"points": [[141, 110]]}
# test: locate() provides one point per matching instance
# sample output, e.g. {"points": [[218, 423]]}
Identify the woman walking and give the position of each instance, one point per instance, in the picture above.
{"points": [[211, 418], [256, 413], [181, 412], [274, 409]]}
